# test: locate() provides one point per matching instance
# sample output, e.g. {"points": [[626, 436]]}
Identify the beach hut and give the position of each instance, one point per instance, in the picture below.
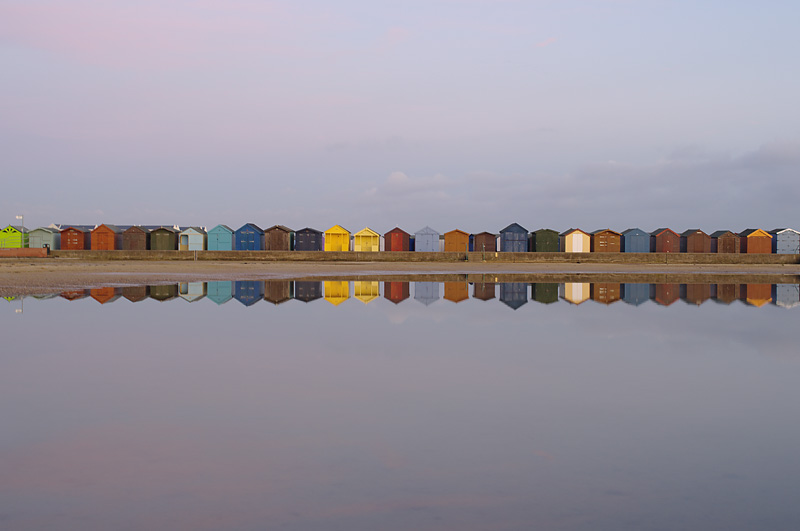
{"points": [[665, 241], [136, 293], [396, 292], [366, 241], [756, 241], [76, 237], [784, 241], [606, 241], [725, 293], [514, 239], [456, 241], [635, 294], [485, 242], [574, 292], [106, 238], [164, 292], [786, 295], [75, 294], [248, 237], [192, 291], [635, 241], [483, 291], [756, 294], [513, 294], [248, 292], [164, 239], [545, 241], [136, 238], [544, 292], [605, 292], [44, 238], [337, 239], [308, 239], [426, 240], [278, 291], [456, 291], [695, 241], [397, 240], [426, 292], [695, 294], [193, 239], [14, 237], [278, 238], [308, 290], [574, 241], [106, 295], [665, 294], [725, 241], [220, 238], [220, 291], [336, 292], [366, 290]]}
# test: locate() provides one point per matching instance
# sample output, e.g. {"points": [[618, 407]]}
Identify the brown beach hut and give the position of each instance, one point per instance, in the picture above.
{"points": [[456, 241], [605, 292], [456, 291], [665, 241], [665, 294], [396, 240], [278, 238], [136, 293], [606, 241], [695, 294], [136, 238], [485, 242], [725, 241], [106, 238], [756, 241], [396, 292], [483, 291], [695, 241], [76, 238]]}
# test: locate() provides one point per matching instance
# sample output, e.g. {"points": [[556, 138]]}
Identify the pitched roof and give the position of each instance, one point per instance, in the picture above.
{"points": [[427, 230], [279, 227], [718, 233], [221, 226], [198, 230], [749, 232], [258, 229], [514, 227], [689, 232], [598, 231], [629, 231], [778, 231], [663, 229], [569, 231]]}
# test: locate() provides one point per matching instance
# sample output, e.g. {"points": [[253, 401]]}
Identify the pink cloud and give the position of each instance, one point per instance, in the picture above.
{"points": [[546, 42]]}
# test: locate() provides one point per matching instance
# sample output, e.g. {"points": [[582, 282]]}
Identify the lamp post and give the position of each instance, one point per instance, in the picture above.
{"points": [[22, 217]]}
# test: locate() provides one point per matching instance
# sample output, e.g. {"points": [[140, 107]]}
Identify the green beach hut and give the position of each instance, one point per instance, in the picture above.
{"points": [[13, 237]]}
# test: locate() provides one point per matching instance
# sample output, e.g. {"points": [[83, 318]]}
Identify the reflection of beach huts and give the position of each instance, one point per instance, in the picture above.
{"points": [[426, 240], [635, 241], [106, 238], [545, 241], [220, 238], [483, 291], [756, 241], [136, 238], [75, 294], [164, 292], [219, 291], [606, 241], [513, 294], [248, 237], [544, 292], [456, 291], [725, 293], [336, 292], [192, 291], [784, 241], [136, 293], [396, 292], [366, 241], [397, 240], [307, 290], [456, 241], [485, 242], [665, 294], [574, 292], [725, 241], [14, 237], [426, 292], [756, 294], [44, 238], [76, 238], [605, 292], [337, 239], [786, 295], [278, 238], [106, 295], [695, 294], [248, 292], [695, 241], [164, 239], [192, 239], [308, 239], [574, 241], [635, 294], [366, 291], [278, 291], [514, 239], [665, 241]]}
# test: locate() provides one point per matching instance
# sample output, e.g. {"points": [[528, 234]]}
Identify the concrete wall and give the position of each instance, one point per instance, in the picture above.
{"points": [[23, 253]]}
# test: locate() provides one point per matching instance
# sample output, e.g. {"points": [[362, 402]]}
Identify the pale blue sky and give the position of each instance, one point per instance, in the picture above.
{"points": [[468, 114]]}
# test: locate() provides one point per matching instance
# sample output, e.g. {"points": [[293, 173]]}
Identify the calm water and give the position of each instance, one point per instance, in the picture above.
{"points": [[520, 407]]}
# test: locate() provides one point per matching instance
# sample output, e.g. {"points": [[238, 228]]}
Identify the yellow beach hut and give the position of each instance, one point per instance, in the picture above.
{"points": [[14, 237], [574, 292], [336, 292], [366, 291], [575, 241], [337, 238], [366, 241]]}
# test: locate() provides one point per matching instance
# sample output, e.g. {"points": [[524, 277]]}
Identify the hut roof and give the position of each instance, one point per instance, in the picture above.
{"points": [[339, 229], [253, 225], [223, 227], [598, 231], [80, 228], [634, 231], [487, 233], [279, 227], [198, 230], [168, 229], [367, 230], [515, 227], [778, 231], [718, 233], [689, 232], [309, 229], [427, 230], [457, 230], [398, 229], [661, 230], [749, 232], [46, 229], [570, 231], [112, 228]]}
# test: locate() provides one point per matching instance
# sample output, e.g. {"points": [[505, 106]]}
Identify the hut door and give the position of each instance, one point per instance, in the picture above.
{"points": [[577, 243]]}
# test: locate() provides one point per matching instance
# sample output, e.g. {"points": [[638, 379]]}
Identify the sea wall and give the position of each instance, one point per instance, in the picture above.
{"points": [[23, 253]]}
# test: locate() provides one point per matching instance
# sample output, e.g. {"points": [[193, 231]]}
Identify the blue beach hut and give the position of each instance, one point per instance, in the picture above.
{"points": [[635, 294], [220, 291], [426, 292], [248, 292], [513, 294], [220, 238], [635, 241], [426, 240], [514, 239], [249, 237]]}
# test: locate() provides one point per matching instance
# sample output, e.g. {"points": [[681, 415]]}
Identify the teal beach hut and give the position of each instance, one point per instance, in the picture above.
{"points": [[220, 238]]}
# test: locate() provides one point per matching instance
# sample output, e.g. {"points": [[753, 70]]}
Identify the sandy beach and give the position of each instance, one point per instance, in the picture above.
{"points": [[21, 277]]}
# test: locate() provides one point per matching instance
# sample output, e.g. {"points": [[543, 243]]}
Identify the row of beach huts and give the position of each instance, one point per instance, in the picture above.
{"points": [[514, 238]]}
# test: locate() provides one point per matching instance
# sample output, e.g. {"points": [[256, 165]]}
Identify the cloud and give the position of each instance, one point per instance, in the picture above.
{"points": [[546, 42]]}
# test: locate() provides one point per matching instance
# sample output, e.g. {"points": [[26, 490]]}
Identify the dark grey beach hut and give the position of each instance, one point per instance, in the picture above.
{"points": [[514, 239], [635, 241], [308, 239]]}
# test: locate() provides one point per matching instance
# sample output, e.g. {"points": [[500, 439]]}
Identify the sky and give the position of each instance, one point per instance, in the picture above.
{"points": [[469, 114]]}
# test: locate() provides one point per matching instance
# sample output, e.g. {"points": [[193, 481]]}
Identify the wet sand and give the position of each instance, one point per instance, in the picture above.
{"points": [[23, 277]]}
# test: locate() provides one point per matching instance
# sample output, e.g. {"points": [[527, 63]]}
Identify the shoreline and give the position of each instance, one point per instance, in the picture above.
{"points": [[29, 277]]}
